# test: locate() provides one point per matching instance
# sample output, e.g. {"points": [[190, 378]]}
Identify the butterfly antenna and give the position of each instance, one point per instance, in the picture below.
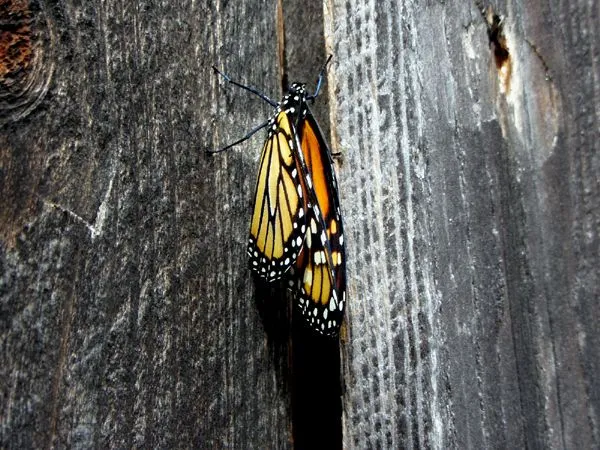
{"points": [[320, 79], [248, 88]]}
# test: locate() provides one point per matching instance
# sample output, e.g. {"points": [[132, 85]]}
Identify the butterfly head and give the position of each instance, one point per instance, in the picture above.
{"points": [[297, 89], [294, 101]]}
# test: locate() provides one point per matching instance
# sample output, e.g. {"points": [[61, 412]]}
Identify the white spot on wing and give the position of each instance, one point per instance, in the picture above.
{"points": [[333, 301], [308, 277], [319, 257]]}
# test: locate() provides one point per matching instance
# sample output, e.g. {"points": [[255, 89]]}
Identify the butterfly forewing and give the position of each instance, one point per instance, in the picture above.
{"points": [[321, 268], [278, 226]]}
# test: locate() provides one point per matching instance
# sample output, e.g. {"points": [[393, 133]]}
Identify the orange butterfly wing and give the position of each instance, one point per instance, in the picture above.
{"points": [[278, 226], [321, 267]]}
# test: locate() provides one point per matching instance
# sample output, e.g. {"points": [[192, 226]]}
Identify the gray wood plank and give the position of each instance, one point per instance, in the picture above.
{"points": [[470, 194], [127, 312]]}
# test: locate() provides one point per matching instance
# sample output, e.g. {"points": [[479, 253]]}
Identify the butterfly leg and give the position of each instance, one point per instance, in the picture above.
{"points": [[239, 141]]}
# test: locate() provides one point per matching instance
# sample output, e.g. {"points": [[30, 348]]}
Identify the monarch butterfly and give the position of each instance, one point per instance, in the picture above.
{"points": [[296, 229]]}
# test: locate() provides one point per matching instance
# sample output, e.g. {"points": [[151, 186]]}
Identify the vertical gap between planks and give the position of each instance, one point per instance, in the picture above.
{"points": [[315, 360]]}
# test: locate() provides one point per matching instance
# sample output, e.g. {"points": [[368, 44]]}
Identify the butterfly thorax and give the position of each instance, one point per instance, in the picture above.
{"points": [[293, 103]]}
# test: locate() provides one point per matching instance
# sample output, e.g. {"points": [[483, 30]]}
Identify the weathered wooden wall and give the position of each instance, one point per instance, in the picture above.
{"points": [[472, 204], [470, 188], [127, 315]]}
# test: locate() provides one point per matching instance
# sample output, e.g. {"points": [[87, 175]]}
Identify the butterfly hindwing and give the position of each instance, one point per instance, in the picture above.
{"points": [[316, 286]]}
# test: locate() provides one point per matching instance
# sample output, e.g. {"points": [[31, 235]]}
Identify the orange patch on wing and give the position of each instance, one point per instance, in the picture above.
{"points": [[312, 153]]}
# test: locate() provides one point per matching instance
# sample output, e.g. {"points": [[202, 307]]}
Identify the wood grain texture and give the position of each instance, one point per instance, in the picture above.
{"points": [[470, 195], [471, 202], [127, 317]]}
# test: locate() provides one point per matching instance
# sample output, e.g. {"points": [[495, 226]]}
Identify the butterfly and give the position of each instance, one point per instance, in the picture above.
{"points": [[296, 230]]}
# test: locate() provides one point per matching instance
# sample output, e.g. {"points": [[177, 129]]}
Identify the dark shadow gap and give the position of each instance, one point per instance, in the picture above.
{"points": [[316, 388]]}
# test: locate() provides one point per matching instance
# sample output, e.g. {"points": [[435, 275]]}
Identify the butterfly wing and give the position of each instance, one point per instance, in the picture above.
{"points": [[321, 268], [278, 226]]}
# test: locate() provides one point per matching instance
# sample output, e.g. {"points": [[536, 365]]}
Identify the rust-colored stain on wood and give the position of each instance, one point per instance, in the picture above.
{"points": [[499, 46], [16, 56], [16, 48]]}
